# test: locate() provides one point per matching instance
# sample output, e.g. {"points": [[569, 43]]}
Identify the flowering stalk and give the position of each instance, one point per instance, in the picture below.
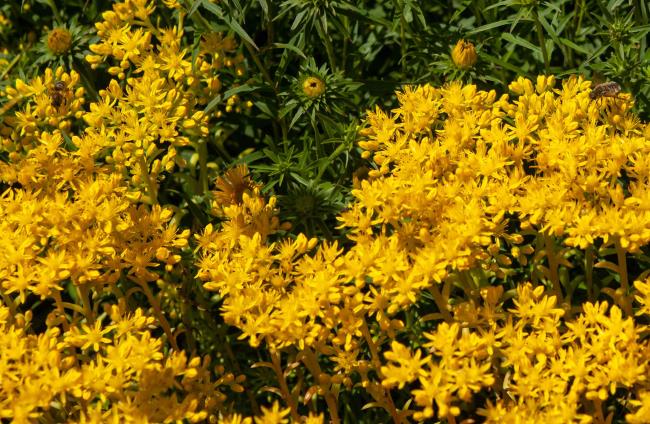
{"points": [[83, 291], [311, 362], [387, 399], [441, 302], [625, 285], [284, 388], [598, 407], [553, 264], [329, 48], [155, 304], [203, 169], [589, 272], [59, 307], [151, 189]]}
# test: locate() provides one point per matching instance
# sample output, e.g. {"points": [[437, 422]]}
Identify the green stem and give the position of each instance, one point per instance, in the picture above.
{"points": [[203, 168], [8, 301], [85, 303], [622, 272], [440, 302], [553, 265], [151, 189], [59, 306], [402, 43], [376, 361], [345, 47], [589, 272], [330, 158], [581, 6], [11, 65], [542, 42], [329, 48], [155, 304]]}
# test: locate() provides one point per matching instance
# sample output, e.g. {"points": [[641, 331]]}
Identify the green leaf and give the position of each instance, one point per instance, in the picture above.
{"points": [[574, 46], [264, 108], [230, 23], [353, 11], [288, 107], [265, 7], [549, 29], [499, 4], [297, 116], [290, 47], [213, 103], [491, 25], [195, 5], [244, 88], [614, 4], [298, 19], [504, 64], [252, 157], [521, 42], [196, 211]]}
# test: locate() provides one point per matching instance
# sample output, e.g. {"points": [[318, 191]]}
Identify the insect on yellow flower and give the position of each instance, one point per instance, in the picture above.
{"points": [[58, 94], [607, 89]]}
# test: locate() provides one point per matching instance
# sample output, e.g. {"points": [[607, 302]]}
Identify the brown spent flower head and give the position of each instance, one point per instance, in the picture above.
{"points": [[232, 186], [313, 86], [59, 41], [464, 54]]}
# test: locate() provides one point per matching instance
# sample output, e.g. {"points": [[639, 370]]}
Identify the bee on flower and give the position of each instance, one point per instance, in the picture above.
{"points": [[609, 89]]}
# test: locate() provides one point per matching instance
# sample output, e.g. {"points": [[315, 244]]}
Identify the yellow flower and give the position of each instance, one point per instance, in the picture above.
{"points": [[273, 415], [59, 40], [405, 366], [640, 416], [464, 54], [313, 86]]}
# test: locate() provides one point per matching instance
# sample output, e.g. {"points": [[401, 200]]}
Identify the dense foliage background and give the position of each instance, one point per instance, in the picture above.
{"points": [[300, 208]]}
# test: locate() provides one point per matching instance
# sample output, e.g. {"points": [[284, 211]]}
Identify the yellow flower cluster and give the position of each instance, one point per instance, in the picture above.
{"points": [[160, 107], [470, 194], [72, 375], [84, 238], [48, 106], [71, 220]]}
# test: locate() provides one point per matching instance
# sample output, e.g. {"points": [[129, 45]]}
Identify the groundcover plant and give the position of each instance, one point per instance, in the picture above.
{"points": [[324, 211]]}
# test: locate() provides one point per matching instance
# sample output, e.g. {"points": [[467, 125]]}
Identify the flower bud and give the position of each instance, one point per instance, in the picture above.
{"points": [[464, 54], [59, 41]]}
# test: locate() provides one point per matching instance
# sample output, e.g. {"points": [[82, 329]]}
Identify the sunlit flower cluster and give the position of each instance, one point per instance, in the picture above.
{"points": [[40, 105], [88, 256], [491, 266], [471, 195], [160, 108], [71, 220], [75, 374]]}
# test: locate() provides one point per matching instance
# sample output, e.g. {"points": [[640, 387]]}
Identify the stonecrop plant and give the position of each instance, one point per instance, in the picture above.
{"points": [[324, 211], [481, 243]]}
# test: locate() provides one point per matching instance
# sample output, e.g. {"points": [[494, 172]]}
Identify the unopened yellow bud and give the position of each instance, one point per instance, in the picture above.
{"points": [[59, 41], [464, 54]]}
